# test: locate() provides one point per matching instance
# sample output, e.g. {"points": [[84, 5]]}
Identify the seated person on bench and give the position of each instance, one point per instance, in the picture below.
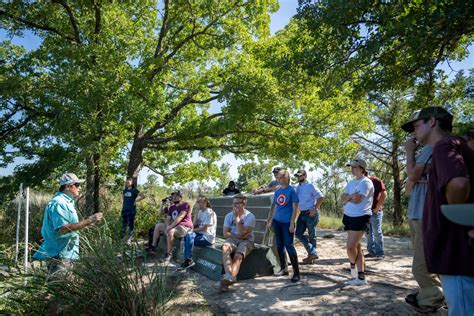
{"points": [[238, 231], [204, 233], [159, 228], [180, 222]]}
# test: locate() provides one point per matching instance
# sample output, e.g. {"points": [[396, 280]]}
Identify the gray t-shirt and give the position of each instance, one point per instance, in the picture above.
{"points": [[248, 219], [416, 201]]}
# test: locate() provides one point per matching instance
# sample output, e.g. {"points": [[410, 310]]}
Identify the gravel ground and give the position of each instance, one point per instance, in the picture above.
{"points": [[321, 290]]}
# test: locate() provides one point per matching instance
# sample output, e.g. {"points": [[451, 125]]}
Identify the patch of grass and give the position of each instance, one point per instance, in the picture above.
{"points": [[333, 222], [391, 230], [330, 222]]}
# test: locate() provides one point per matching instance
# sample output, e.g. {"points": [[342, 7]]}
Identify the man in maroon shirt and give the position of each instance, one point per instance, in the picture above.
{"points": [[178, 222], [450, 181], [374, 234]]}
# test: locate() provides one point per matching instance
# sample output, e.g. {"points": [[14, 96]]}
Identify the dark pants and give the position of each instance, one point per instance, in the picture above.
{"points": [[128, 219], [283, 237]]}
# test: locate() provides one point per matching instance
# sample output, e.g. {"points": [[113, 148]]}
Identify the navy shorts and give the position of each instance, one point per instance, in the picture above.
{"points": [[358, 223]]}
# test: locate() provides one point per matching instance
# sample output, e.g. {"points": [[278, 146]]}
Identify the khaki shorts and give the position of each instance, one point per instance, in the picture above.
{"points": [[242, 246], [181, 231]]}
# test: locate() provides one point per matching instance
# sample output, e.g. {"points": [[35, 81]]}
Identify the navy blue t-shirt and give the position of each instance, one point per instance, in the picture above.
{"points": [[129, 197]]}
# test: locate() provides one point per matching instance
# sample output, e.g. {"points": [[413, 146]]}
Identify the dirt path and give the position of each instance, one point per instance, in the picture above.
{"points": [[321, 289]]}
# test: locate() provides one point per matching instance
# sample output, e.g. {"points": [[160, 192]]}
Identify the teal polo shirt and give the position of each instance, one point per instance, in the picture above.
{"points": [[60, 211]]}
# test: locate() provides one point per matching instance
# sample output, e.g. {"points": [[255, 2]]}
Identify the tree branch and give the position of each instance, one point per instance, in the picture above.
{"points": [[72, 19], [98, 18], [37, 26], [163, 31], [388, 153]]}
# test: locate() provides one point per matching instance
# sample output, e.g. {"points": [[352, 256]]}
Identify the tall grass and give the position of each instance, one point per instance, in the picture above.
{"points": [[335, 222], [330, 222], [109, 279]]}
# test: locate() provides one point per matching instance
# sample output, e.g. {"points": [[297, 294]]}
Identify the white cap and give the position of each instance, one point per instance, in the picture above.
{"points": [[69, 178]]}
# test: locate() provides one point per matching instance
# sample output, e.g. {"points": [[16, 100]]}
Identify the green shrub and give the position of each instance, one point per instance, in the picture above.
{"points": [[107, 279]]}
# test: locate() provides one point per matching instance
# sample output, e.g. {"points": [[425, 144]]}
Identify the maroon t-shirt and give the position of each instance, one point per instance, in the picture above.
{"points": [[446, 244], [174, 211], [379, 187]]}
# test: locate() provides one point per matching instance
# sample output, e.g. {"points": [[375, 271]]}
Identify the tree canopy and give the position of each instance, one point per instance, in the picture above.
{"points": [[115, 86], [383, 44]]}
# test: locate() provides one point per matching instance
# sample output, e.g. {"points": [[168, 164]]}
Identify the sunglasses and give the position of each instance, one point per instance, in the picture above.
{"points": [[77, 185]]}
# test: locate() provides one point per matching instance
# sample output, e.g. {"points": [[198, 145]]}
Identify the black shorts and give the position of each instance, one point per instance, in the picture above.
{"points": [[358, 223]]}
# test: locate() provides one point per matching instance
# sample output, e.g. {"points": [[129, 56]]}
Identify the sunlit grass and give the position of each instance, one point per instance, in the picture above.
{"points": [[333, 222]]}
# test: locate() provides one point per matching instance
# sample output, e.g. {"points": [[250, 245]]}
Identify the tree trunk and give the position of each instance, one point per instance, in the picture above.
{"points": [[89, 209], [136, 156], [97, 181], [92, 184], [397, 188]]}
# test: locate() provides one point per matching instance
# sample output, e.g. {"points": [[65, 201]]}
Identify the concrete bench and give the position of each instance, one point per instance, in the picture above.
{"points": [[260, 262]]}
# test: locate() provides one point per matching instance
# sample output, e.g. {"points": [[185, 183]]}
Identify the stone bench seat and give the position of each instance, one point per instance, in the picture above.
{"points": [[260, 262]]}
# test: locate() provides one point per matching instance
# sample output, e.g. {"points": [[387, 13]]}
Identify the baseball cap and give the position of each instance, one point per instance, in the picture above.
{"points": [[276, 169], [69, 178], [300, 172], [426, 113], [358, 163], [178, 192], [462, 214]]}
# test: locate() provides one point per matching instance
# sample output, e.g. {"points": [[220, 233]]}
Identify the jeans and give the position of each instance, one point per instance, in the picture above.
{"points": [[283, 237], [307, 222], [193, 239], [375, 236], [128, 219], [459, 294]]}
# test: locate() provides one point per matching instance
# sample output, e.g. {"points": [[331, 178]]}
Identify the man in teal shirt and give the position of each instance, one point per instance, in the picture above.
{"points": [[60, 225]]}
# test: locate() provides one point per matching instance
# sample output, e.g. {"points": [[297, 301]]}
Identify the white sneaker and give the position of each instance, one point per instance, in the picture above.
{"points": [[356, 282], [354, 274]]}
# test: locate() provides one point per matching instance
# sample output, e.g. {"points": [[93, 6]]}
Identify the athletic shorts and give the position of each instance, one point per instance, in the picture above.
{"points": [[358, 223], [242, 246]]}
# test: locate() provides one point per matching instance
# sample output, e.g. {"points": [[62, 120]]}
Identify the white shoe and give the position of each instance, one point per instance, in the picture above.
{"points": [[356, 282], [354, 274]]}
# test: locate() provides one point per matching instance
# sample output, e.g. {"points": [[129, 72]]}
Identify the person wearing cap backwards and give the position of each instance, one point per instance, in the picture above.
{"points": [[60, 225], [450, 181], [272, 186], [131, 196], [310, 201], [282, 217], [357, 199], [179, 222]]}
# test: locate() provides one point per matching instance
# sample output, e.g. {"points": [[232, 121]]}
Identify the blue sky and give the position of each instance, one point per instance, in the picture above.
{"points": [[278, 20]]}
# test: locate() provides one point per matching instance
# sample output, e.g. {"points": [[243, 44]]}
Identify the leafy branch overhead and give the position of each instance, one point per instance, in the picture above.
{"points": [[384, 44]]}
